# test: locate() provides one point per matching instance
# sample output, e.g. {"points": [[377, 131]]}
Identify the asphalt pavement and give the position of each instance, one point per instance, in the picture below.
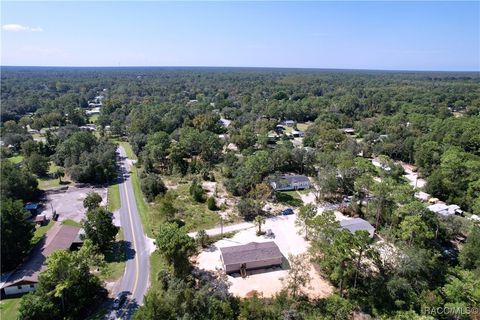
{"points": [[135, 280]]}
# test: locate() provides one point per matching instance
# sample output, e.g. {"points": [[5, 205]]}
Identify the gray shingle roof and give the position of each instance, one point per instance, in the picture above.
{"points": [[253, 251], [356, 224], [294, 178]]}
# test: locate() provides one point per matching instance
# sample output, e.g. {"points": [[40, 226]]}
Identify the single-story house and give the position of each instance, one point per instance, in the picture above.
{"points": [[357, 224], [290, 182], [254, 255], [93, 111], [88, 127], [298, 133], [289, 123], [445, 210], [25, 278]]}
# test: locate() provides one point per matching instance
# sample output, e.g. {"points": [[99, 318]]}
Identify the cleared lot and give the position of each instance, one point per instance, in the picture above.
{"points": [[268, 281], [68, 203]]}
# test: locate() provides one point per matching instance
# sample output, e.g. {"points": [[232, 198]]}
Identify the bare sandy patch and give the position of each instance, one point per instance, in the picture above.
{"points": [[268, 281]]}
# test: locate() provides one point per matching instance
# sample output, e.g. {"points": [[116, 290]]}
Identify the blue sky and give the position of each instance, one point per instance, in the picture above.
{"points": [[349, 35]]}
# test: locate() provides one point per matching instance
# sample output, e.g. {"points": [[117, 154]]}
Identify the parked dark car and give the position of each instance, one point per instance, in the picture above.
{"points": [[119, 300], [287, 212]]}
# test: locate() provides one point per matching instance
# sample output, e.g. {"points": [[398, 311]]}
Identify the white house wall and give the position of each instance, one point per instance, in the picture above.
{"points": [[14, 290]]}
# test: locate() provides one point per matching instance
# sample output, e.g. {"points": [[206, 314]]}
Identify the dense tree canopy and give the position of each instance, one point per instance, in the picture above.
{"points": [[17, 183], [16, 233], [221, 124], [67, 288]]}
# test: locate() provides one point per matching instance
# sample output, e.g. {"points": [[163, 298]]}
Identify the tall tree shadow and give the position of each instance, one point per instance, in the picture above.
{"points": [[121, 251]]}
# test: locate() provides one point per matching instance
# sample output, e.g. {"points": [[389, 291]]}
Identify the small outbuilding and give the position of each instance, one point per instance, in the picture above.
{"points": [[445, 210], [251, 256], [40, 219], [357, 224], [32, 207]]}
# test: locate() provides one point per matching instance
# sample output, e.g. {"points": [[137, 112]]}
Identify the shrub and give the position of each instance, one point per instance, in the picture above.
{"points": [[248, 209], [196, 191], [152, 185], [211, 204], [202, 238]]}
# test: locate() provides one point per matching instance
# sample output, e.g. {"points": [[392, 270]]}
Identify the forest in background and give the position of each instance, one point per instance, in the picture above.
{"points": [[170, 116]]}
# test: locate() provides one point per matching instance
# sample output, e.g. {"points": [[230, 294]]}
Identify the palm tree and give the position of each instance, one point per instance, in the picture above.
{"points": [[259, 220]]}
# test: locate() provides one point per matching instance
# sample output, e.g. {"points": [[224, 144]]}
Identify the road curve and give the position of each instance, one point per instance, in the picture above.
{"points": [[136, 277]]}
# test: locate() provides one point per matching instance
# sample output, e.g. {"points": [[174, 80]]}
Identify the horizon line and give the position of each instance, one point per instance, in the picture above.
{"points": [[241, 67]]}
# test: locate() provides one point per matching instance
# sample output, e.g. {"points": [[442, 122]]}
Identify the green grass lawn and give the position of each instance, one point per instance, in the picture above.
{"points": [[143, 208], [50, 181], [37, 136], [44, 184], [128, 148], [70, 222], [157, 263], [116, 258], [289, 198], [195, 214], [9, 308], [302, 126], [93, 118], [113, 197], [16, 159], [40, 232]]}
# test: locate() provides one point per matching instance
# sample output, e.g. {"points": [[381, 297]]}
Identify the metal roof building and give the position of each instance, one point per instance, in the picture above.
{"points": [[445, 210], [254, 255]]}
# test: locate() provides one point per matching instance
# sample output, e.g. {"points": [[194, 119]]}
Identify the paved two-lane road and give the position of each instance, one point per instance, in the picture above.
{"points": [[135, 279]]}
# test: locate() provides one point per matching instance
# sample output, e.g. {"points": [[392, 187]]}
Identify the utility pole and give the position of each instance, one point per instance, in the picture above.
{"points": [[53, 212], [221, 225]]}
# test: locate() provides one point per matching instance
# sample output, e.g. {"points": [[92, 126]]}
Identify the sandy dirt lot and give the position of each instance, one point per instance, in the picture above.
{"points": [[69, 203], [217, 190], [308, 198], [412, 176], [268, 282]]}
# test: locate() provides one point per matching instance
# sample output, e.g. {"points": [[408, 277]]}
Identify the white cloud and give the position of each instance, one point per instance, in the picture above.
{"points": [[20, 28]]}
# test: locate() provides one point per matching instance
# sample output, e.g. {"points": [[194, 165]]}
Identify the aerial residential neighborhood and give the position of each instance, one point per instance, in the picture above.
{"points": [[240, 160]]}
